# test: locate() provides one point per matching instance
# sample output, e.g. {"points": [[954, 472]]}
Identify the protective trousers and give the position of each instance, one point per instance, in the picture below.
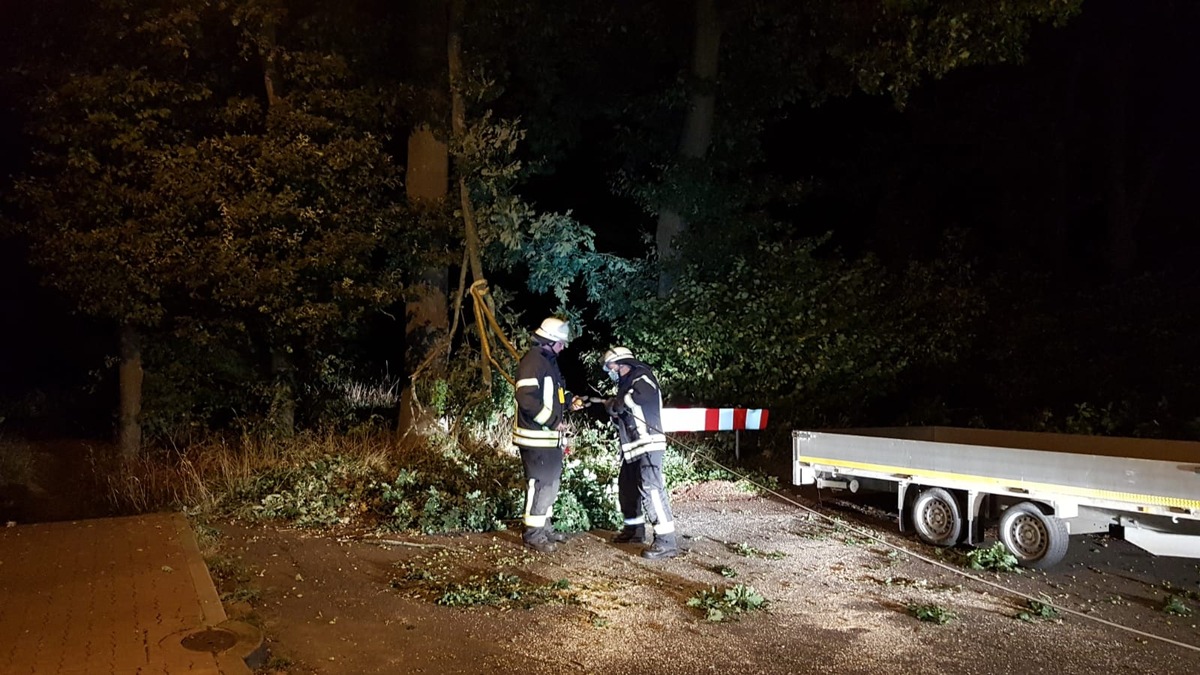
{"points": [[543, 475], [640, 489]]}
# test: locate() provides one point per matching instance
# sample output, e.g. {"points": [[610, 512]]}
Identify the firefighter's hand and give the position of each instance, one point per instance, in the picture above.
{"points": [[577, 403]]}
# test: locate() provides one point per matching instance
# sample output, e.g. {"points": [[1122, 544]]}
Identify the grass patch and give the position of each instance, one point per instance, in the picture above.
{"points": [[931, 613], [727, 604]]}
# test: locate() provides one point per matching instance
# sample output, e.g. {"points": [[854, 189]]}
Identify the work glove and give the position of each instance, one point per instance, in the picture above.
{"points": [[577, 403]]}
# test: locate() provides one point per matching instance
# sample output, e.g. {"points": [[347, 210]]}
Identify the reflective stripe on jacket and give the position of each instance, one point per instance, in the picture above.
{"points": [[540, 400], [639, 424]]}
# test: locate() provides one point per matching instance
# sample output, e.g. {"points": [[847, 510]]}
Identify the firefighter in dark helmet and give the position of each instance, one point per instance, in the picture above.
{"points": [[542, 401], [636, 409]]}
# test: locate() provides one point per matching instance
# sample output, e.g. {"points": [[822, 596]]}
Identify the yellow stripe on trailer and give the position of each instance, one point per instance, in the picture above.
{"points": [[1009, 486]]}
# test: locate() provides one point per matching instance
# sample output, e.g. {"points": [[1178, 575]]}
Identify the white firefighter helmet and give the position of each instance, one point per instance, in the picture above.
{"points": [[616, 354], [555, 330]]}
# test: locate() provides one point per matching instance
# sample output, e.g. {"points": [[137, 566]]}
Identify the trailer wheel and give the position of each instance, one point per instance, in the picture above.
{"points": [[1036, 539], [937, 517]]}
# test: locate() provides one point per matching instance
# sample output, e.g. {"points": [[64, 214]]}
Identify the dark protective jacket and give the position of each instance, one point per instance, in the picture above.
{"points": [[637, 412], [541, 400]]}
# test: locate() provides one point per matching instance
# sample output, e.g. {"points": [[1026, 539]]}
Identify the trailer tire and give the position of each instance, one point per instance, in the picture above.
{"points": [[937, 517], [1036, 539]]}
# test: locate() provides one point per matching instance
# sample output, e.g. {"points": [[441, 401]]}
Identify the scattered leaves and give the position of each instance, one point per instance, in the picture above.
{"points": [[931, 613], [727, 604]]}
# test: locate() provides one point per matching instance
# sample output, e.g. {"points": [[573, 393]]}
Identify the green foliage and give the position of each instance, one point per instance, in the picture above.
{"points": [[1175, 605], [313, 494], [889, 47], [501, 590], [164, 193], [995, 558], [747, 551], [435, 488], [1038, 611], [442, 578], [450, 491], [553, 251], [931, 613], [815, 337], [588, 497], [726, 571], [727, 604], [683, 466]]}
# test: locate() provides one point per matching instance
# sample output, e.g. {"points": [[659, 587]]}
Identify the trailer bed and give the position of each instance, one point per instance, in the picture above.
{"points": [[1113, 471]]}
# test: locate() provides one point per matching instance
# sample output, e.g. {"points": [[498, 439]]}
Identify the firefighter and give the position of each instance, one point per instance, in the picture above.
{"points": [[636, 409], [538, 430]]}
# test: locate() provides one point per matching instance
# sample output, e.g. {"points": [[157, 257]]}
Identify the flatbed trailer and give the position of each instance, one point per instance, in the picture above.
{"points": [[951, 484]]}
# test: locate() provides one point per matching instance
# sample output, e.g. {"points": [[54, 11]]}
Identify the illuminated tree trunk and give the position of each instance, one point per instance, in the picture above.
{"points": [[697, 125], [426, 185], [427, 181]]}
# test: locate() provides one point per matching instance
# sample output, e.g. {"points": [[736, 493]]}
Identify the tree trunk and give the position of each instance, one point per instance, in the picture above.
{"points": [[129, 427], [281, 419], [697, 125], [426, 186]]}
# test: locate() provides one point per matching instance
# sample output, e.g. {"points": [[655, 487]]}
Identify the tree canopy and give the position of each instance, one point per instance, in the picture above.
{"points": [[226, 180]]}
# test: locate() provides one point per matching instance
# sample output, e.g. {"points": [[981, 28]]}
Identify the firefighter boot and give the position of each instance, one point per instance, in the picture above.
{"points": [[631, 533], [664, 547], [537, 539]]}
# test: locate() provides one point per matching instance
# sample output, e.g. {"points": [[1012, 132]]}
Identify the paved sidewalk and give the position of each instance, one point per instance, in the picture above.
{"points": [[112, 595]]}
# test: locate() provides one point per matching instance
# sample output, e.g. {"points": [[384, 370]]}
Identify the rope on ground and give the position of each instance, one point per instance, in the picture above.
{"points": [[834, 523]]}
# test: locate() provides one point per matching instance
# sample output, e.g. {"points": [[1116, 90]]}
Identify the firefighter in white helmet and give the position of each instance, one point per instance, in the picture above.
{"points": [[537, 431], [636, 409]]}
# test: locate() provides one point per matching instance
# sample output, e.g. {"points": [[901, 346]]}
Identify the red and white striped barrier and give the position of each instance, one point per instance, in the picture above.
{"points": [[713, 419]]}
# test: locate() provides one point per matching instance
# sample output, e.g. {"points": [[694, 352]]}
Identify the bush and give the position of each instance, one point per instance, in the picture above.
{"points": [[435, 485], [311, 494], [781, 324]]}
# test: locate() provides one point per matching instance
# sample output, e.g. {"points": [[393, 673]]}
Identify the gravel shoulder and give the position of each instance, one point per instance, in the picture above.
{"points": [[838, 600]]}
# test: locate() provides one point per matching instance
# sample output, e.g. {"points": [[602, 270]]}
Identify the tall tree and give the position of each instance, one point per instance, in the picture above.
{"points": [[698, 120], [88, 198], [426, 183], [226, 181]]}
